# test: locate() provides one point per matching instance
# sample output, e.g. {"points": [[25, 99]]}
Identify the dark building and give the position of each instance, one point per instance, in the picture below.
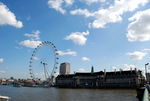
{"points": [[117, 79]]}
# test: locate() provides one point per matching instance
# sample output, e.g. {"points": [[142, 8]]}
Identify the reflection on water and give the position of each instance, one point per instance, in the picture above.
{"points": [[57, 94]]}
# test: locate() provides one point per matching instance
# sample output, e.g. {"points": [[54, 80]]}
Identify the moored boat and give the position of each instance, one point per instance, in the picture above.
{"points": [[4, 98]]}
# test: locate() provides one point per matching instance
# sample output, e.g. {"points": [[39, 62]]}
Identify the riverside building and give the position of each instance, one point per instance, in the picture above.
{"points": [[102, 79]]}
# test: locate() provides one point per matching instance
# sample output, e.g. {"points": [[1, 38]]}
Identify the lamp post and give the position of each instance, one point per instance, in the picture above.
{"points": [[146, 67], [146, 70]]}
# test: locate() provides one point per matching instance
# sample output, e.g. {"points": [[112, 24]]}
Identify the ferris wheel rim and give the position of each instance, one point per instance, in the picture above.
{"points": [[31, 72]]}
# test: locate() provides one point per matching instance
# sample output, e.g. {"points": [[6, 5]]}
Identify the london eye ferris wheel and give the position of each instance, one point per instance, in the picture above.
{"points": [[44, 68]]}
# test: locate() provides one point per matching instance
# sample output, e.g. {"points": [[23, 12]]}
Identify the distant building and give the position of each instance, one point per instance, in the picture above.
{"points": [[117, 79], [64, 68]]}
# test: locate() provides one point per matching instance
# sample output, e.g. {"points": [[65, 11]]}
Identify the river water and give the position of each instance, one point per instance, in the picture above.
{"points": [[59, 94]]}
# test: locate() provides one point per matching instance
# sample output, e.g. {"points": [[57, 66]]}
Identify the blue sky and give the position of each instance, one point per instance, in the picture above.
{"points": [[106, 34]]}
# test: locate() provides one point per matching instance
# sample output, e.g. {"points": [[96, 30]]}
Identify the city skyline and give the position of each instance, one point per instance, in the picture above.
{"points": [[106, 34]]}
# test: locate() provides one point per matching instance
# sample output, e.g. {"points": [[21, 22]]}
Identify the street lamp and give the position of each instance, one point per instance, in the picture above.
{"points": [[146, 67], [146, 70]]}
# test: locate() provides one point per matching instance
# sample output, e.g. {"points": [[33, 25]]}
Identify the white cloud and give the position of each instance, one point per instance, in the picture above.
{"points": [[61, 5], [139, 28], [35, 35], [124, 67], [114, 68], [33, 42], [112, 14], [2, 72], [8, 18], [30, 43], [84, 12], [69, 2], [85, 59], [137, 55], [68, 52], [78, 37], [1, 60], [35, 58], [146, 49], [129, 67], [81, 70], [89, 2], [57, 4]]}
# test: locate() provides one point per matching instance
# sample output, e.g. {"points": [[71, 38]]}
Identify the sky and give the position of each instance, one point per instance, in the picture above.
{"points": [[106, 34]]}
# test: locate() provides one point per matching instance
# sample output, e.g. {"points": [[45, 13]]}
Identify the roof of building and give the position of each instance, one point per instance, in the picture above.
{"points": [[100, 73], [123, 72], [66, 76], [89, 73], [65, 63]]}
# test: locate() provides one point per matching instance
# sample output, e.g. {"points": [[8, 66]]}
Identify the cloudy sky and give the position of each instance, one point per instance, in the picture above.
{"points": [[106, 34]]}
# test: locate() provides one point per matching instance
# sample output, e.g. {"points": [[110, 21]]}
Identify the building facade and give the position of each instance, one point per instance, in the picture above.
{"points": [[64, 68], [117, 79]]}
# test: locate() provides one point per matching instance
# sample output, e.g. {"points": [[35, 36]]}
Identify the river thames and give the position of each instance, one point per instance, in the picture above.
{"points": [[59, 94]]}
